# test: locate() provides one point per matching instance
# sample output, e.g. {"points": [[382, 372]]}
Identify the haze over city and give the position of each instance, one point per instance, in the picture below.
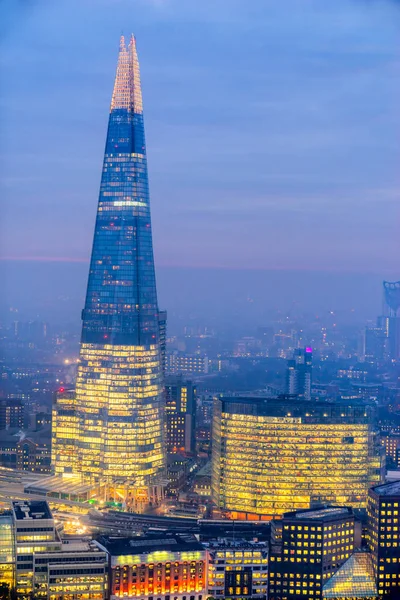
{"points": [[273, 138]]}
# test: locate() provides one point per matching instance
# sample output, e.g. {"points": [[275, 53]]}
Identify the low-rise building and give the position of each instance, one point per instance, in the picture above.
{"points": [[35, 561], [237, 569], [162, 567]]}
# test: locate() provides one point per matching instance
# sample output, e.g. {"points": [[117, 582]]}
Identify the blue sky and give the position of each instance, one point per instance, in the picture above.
{"points": [[272, 129]]}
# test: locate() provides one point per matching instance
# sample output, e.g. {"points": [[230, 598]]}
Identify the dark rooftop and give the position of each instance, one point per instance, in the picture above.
{"points": [[150, 543], [325, 513], [325, 410], [25, 510], [388, 489]]}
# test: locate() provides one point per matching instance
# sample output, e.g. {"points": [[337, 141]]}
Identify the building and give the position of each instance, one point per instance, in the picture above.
{"points": [[299, 373], [202, 481], [374, 344], [112, 428], [307, 548], [26, 451], [180, 415], [237, 569], [384, 537], [34, 560], [162, 322], [271, 455], [11, 413], [391, 443], [7, 550], [194, 364], [159, 567]]}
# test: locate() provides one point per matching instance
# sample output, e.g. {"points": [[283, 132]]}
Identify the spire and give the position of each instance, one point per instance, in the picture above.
{"points": [[137, 88], [127, 92]]}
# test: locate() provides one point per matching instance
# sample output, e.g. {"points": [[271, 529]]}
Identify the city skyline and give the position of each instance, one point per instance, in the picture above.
{"points": [[312, 165]]}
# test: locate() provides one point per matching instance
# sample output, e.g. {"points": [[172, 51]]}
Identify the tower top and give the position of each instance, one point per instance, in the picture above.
{"points": [[127, 93]]}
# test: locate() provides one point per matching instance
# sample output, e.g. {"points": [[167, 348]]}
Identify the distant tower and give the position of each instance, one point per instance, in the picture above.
{"points": [[389, 322], [299, 373], [391, 298]]}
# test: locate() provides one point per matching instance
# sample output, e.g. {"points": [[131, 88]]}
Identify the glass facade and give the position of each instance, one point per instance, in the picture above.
{"points": [[7, 554], [274, 455], [113, 426], [355, 579]]}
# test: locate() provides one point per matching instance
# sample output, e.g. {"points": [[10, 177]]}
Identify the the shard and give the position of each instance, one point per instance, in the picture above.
{"points": [[112, 426]]}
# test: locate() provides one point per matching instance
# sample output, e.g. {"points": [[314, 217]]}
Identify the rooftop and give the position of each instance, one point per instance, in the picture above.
{"points": [[388, 489], [325, 513], [25, 510], [145, 545]]}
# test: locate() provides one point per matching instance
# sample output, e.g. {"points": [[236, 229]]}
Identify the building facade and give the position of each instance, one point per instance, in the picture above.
{"points": [[271, 455], [11, 413], [180, 414], [237, 570], [43, 565], [307, 548], [384, 536], [299, 373], [112, 427], [167, 567], [193, 364]]}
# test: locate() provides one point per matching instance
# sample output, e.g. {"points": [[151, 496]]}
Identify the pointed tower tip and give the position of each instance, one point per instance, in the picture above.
{"points": [[127, 93]]}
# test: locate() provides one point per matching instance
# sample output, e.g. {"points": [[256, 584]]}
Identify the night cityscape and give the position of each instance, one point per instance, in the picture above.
{"points": [[200, 356]]}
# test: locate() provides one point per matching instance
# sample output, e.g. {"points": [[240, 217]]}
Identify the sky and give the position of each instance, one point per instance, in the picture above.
{"points": [[272, 130]]}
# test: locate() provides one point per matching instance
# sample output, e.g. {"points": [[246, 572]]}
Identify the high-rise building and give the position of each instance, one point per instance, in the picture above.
{"points": [[113, 428], [271, 455], [180, 414], [307, 548], [299, 373], [384, 536]]}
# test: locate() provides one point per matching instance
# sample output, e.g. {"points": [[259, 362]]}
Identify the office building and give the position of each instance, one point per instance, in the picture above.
{"points": [[11, 413], [391, 444], [307, 548], [180, 414], [271, 455], [194, 364], [374, 344], [299, 373], [161, 567], [237, 569], [36, 561], [112, 428], [384, 537]]}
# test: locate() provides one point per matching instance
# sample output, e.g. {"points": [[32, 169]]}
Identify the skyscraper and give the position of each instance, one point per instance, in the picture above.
{"points": [[299, 373], [180, 414], [115, 427]]}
